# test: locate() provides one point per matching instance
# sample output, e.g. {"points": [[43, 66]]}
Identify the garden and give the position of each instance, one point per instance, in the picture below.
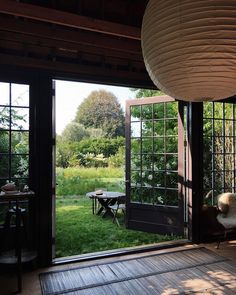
{"points": [[90, 155]]}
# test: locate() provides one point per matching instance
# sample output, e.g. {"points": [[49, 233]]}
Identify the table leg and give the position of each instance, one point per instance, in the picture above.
{"points": [[18, 249]]}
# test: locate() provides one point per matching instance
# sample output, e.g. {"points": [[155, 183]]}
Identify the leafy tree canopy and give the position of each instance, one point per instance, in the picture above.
{"points": [[139, 93], [101, 109]]}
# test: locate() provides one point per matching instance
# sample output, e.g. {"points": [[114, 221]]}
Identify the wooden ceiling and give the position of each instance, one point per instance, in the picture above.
{"points": [[95, 40]]}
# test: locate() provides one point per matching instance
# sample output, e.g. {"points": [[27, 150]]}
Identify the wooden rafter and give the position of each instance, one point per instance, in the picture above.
{"points": [[68, 19], [92, 39]]}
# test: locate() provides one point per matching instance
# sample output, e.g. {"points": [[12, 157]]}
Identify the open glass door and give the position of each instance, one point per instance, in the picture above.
{"points": [[155, 165]]}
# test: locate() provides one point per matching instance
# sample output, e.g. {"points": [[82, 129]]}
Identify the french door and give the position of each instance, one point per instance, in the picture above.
{"points": [[155, 170]]}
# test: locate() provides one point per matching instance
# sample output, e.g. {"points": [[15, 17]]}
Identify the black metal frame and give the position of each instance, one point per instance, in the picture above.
{"points": [[10, 129], [222, 147]]}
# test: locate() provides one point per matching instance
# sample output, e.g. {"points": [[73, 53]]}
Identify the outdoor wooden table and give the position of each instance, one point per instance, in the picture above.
{"points": [[105, 199], [16, 198]]}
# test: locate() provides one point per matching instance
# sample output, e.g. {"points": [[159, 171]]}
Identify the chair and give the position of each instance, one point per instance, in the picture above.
{"points": [[227, 213], [120, 205]]}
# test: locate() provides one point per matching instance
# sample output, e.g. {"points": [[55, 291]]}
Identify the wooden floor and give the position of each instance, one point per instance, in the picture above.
{"points": [[31, 285]]}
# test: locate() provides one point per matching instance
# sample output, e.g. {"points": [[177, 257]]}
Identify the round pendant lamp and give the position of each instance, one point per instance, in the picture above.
{"points": [[189, 48]]}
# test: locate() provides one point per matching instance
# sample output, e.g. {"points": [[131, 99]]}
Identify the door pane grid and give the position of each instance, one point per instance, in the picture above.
{"points": [[219, 149], [154, 171]]}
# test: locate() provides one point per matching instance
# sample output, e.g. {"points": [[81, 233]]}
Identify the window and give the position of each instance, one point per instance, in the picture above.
{"points": [[219, 148], [14, 133]]}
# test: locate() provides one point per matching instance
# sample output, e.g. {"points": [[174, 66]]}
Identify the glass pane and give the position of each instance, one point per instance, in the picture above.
{"points": [[172, 144], [159, 196], [4, 93], [159, 162], [159, 127], [171, 110], [19, 166], [4, 166], [135, 194], [135, 129], [147, 162], [147, 112], [135, 146], [147, 145], [147, 128], [147, 195], [4, 141], [20, 142], [172, 162], [136, 178], [158, 111], [159, 179], [135, 113], [207, 109], [218, 113], [171, 127], [218, 144], [20, 118], [171, 198], [4, 118], [228, 128], [158, 145], [20, 95], [207, 127], [228, 111], [229, 177], [171, 180], [135, 162]]}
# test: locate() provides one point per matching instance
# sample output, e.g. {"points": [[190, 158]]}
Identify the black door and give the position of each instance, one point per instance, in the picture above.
{"points": [[155, 165]]}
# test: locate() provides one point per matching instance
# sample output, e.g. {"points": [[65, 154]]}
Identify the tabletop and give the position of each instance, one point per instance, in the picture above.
{"points": [[16, 196], [106, 195]]}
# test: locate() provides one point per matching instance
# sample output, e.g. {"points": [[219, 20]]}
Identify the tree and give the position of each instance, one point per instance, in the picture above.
{"points": [[74, 132], [101, 109], [139, 93]]}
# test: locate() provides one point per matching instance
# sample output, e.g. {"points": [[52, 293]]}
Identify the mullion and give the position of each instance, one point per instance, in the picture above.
{"points": [[223, 134], [213, 151], [233, 150], [10, 135]]}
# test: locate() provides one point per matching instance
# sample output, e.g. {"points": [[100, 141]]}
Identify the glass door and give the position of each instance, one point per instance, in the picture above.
{"points": [[155, 165]]}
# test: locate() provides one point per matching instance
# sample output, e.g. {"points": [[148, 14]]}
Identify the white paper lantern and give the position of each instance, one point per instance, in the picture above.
{"points": [[189, 47]]}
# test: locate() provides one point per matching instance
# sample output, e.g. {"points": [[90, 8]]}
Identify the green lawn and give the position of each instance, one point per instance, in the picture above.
{"points": [[78, 231]]}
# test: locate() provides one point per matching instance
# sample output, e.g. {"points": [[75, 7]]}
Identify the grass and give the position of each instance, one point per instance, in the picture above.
{"points": [[78, 181], [78, 231]]}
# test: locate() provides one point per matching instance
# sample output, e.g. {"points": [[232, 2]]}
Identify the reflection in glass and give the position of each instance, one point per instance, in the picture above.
{"points": [[158, 111], [135, 129], [171, 109], [135, 146], [147, 145], [171, 127], [159, 127], [172, 144], [20, 118], [19, 166], [4, 141], [135, 162], [158, 145], [146, 112], [4, 93], [135, 113], [20, 95], [172, 162], [20, 142], [4, 117]]}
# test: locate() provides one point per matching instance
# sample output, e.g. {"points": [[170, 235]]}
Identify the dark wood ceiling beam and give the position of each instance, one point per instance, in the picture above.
{"points": [[73, 36], [67, 46], [69, 19], [113, 76]]}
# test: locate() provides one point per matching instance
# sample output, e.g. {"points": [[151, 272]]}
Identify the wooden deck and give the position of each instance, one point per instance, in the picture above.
{"points": [[172, 271]]}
